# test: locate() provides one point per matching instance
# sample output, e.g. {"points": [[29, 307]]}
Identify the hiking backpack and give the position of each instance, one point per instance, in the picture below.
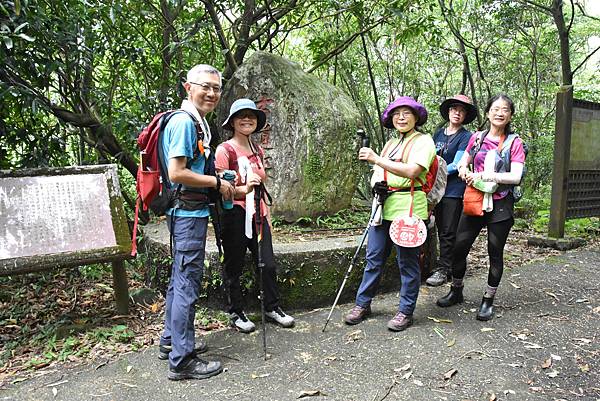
{"points": [[435, 181], [153, 186], [517, 189]]}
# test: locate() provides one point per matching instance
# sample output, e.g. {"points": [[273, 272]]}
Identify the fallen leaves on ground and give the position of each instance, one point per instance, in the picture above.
{"points": [[354, 336], [67, 317], [403, 368], [531, 345], [439, 320], [547, 363], [449, 374], [312, 393]]}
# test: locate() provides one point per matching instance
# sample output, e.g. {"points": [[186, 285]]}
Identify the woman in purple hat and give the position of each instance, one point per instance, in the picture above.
{"points": [[404, 160], [450, 144]]}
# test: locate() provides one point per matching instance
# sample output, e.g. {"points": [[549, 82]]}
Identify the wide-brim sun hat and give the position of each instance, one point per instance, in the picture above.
{"points": [[245, 104], [464, 101], [419, 110]]}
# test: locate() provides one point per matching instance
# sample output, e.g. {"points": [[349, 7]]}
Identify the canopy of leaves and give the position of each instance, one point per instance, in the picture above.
{"points": [[80, 78]]}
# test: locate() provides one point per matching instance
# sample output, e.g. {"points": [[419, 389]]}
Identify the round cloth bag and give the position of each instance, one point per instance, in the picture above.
{"points": [[408, 231]]}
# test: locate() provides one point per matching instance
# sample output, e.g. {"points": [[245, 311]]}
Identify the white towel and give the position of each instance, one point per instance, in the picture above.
{"points": [[375, 178], [190, 108], [488, 202], [244, 168], [489, 165]]}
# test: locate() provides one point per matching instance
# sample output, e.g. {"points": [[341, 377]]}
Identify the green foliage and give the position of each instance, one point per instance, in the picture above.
{"points": [[79, 79], [118, 333], [205, 317], [584, 227]]}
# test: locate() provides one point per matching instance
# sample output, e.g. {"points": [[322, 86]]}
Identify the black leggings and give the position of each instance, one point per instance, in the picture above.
{"points": [[469, 228], [235, 244]]}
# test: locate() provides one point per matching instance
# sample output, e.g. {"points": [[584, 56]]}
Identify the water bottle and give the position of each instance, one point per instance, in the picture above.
{"points": [[228, 175]]}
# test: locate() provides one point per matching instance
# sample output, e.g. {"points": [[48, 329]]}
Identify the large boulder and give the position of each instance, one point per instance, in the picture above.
{"points": [[310, 140]]}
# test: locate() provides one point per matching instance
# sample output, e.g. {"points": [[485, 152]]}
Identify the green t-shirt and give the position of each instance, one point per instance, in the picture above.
{"points": [[421, 151]]}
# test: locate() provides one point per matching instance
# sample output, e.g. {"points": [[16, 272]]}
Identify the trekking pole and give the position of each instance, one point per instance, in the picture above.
{"points": [[260, 263], [362, 241]]}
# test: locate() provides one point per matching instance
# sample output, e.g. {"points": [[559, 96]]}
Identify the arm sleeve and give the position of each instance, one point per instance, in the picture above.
{"points": [[471, 143], [462, 145], [453, 167]]}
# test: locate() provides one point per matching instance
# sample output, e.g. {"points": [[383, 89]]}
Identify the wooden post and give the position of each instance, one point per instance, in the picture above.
{"points": [[562, 150], [120, 286]]}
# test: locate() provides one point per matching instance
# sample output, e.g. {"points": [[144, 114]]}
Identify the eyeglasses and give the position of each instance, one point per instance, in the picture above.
{"points": [[245, 114], [497, 109], [204, 87], [404, 114], [457, 109]]}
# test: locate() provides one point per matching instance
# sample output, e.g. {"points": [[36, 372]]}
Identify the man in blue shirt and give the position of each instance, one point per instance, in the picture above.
{"points": [[450, 143], [185, 145]]}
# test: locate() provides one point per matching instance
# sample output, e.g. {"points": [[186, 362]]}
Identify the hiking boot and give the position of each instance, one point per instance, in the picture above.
{"points": [[164, 350], [280, 317], [486, 309], [357, 314], [437, 278], [240, 322], [455, 296], [196, 368], [400, 322]]}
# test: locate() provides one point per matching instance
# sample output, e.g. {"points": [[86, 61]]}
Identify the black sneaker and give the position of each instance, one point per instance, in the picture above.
{"points": [[164, 350], [196, 368]]}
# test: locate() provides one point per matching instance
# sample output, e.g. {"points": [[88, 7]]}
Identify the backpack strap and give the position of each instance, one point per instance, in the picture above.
{"points": [[232, 155], [200, 135], [407, 147], [477, 147], [198, 150]]}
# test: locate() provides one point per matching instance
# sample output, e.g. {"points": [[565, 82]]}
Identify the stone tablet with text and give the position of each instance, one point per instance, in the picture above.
{"points": [[57, 217]]}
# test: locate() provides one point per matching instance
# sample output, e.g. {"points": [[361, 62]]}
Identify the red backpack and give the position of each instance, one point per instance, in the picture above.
{"points": [[153, 186]]}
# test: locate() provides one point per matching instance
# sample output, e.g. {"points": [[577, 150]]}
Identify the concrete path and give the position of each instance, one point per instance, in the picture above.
{"points": [[542, 345]]}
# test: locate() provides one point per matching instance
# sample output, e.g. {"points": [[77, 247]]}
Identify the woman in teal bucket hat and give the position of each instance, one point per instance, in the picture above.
{"points": [[405, 158], [240, 226]]}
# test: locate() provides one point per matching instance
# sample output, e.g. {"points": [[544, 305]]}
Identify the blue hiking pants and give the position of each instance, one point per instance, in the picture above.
{"points": [[378, 250], [189, 240]]}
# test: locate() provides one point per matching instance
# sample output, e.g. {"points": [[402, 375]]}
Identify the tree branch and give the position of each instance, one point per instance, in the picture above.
{"points": [[230, 61], [345, 44], [572, 16], [585, 60], [538, 5]]}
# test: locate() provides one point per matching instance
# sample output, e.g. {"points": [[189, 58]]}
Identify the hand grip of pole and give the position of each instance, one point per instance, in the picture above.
{"points": [[365, 142]]}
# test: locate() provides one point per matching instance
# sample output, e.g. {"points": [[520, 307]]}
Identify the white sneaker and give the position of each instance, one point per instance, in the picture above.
{"points": [[280, 317], [241, 322]]}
